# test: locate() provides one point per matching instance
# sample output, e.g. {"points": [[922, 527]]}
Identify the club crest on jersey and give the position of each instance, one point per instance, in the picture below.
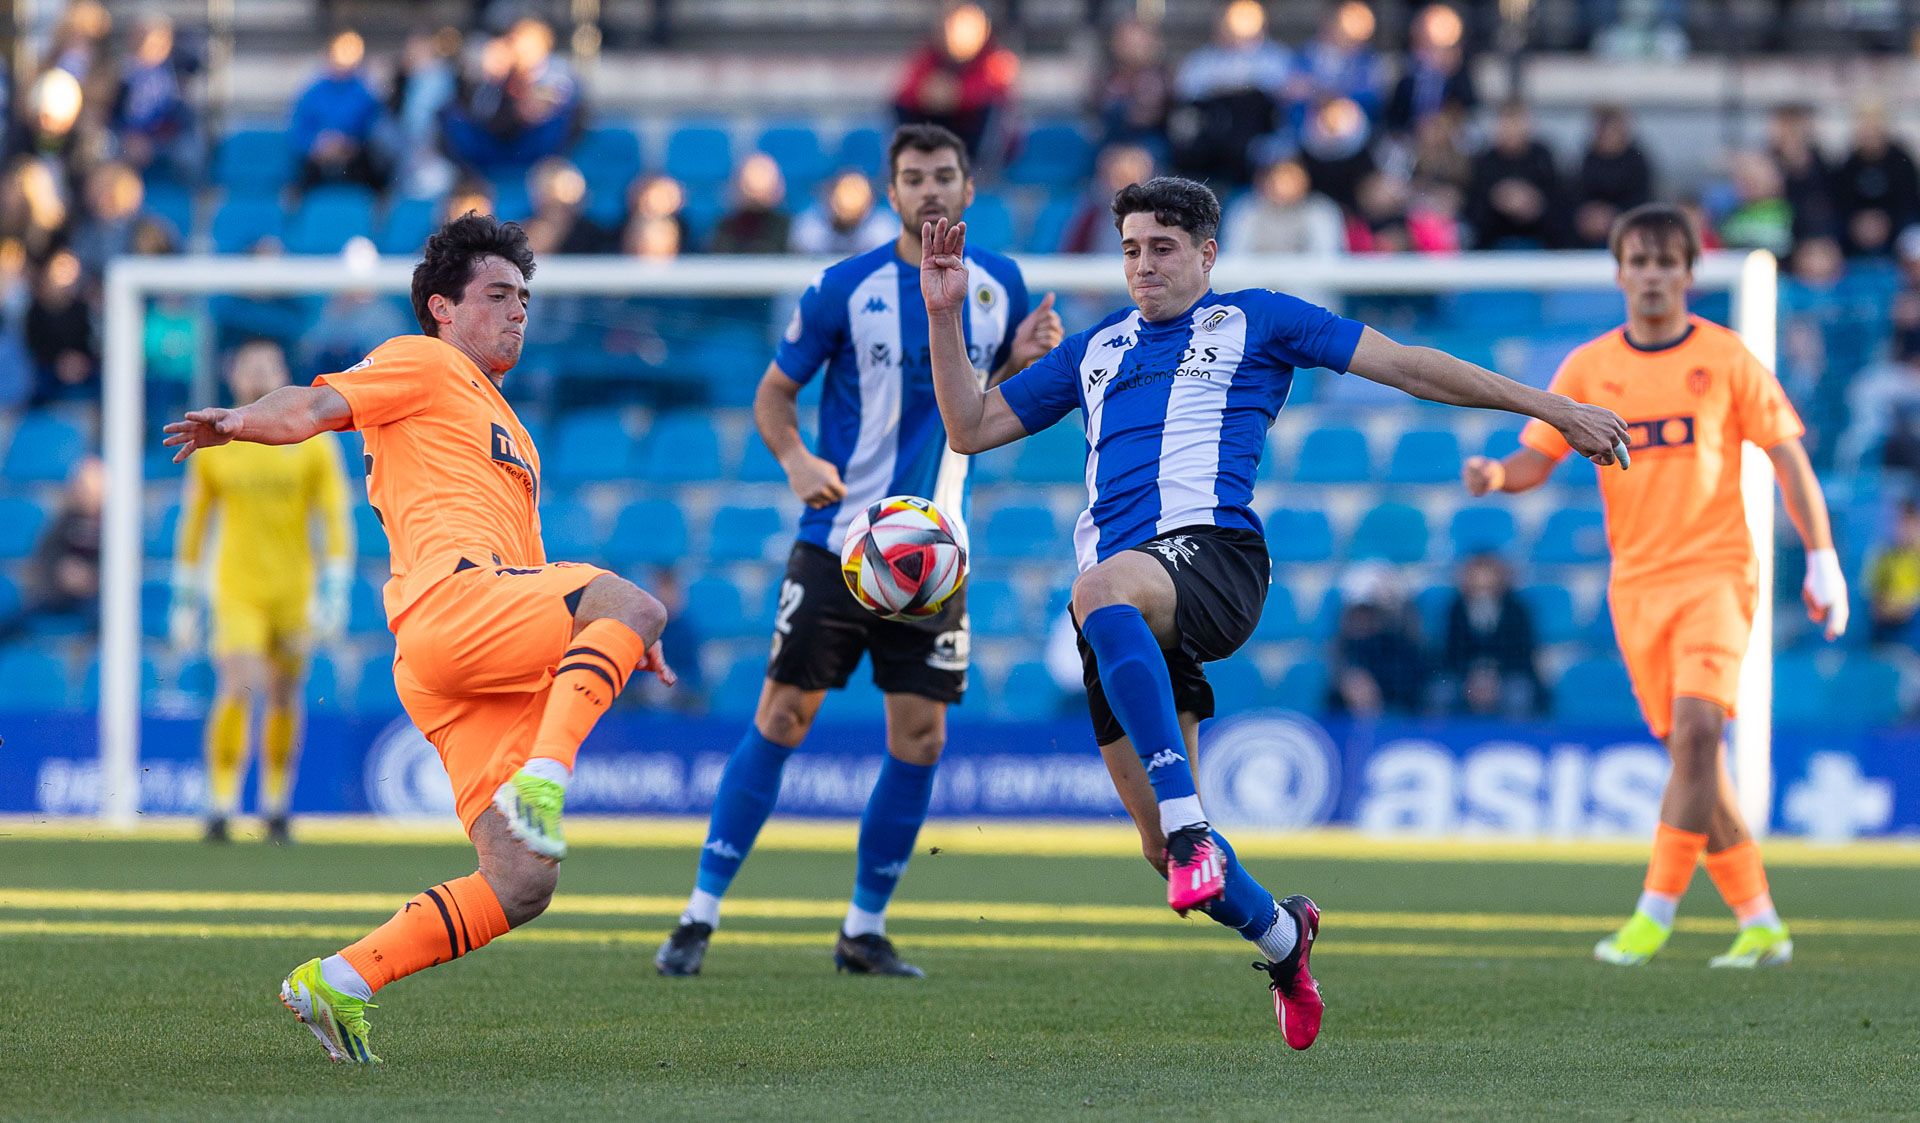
{"points": [[983, 296], [1215, 320], [505, 451], [1698, 380]]}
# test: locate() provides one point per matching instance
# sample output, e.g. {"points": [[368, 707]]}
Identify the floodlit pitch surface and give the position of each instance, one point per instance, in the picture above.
{"points": [[140, 979]]}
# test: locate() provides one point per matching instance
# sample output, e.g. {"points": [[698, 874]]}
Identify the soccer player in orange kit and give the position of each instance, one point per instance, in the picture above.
{"points": [[504, 660], [1683, 582]]}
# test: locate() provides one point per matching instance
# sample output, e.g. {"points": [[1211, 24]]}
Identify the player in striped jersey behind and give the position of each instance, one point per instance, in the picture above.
{"points": [[1177, 394], [880, 435]]}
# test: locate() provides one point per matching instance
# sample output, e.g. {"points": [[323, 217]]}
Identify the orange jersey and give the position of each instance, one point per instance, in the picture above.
{"points": [[450, 470], [1688, 407]]}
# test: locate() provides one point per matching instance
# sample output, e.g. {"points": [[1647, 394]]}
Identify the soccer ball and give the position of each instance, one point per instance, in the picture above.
{"points": [[903, 559]]}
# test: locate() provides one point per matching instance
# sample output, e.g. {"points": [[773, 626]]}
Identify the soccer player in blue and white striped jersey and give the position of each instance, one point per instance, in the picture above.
{"points": [[1178, 393], [880, 435]]}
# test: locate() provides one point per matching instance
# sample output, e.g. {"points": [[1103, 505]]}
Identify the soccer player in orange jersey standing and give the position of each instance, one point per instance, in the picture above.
{"points": [[504, 660], [1683, 582]]}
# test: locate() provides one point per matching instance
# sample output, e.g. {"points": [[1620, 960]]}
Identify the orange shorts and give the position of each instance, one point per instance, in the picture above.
{"points": [[1683, 640], [475, 657]]}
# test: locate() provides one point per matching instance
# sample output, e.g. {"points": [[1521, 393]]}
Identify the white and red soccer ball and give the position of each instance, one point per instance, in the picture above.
{"points": [[903, 558]]}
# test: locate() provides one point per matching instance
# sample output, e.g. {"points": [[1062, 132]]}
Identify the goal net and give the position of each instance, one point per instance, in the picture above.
{"points": [[637, 384]]}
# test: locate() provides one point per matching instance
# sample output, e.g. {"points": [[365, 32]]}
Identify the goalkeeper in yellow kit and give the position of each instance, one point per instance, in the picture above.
{"points": [[262, 597]]}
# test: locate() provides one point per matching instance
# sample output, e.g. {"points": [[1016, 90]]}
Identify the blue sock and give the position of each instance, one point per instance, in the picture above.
{"points": [[1133, 672], [892, 821], [748, 787], [1246, 906]]}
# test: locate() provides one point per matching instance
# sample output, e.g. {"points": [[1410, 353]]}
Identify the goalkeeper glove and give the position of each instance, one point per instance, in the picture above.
{"points": [[1825, 592], [189, 600], [331, 599]]}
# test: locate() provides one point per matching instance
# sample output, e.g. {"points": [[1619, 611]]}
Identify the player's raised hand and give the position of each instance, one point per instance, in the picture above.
{"points": [[656, 664], [202, 428], [1825, 592], [1594, 432], [1038, 334], [815, 480], [943, 266], [1482, 474]]}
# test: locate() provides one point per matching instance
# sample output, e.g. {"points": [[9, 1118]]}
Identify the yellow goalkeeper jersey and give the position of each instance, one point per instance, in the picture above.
{"points": [[267, 497]]}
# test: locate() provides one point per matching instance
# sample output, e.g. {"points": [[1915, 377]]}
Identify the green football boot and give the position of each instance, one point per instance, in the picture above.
{"points": [[532, 809], [1636, 942], [338, 1020], [1759, 945]]}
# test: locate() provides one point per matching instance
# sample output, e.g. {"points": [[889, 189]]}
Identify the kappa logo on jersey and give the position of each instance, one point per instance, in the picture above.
{"points": [[1175, 550], [505, 452], [1698, 380], [1120, 341], [1163, 758], [1215, 320], [1660, 432], [875, 304]]}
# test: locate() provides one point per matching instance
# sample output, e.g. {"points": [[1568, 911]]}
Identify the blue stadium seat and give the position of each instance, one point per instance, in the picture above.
{"points": [[1334, 455], [1237, 684], [1021, 533], [374, 694], [1425, 456], [1279, 619], [1597, 629], [757, 464], [1501, 442], [864, 148], [1572, 536], [366, 610], [570, 531], [407, 224], [173, 204], [1392, 532], [797, 149], [1055, 455], [369, 537], [648, 532], [242, 220], [994, 607], [1597, 691], [31, 679], [1049, 227], [328, 217], [511, 201], [590, 446], [608, 156], [162, 533], [1299, 534], [991, 221], [1481, 530], [258, 160], [738, 692], [21, 521], [717, 612], [1552, 607], [1055, 155], [1303, 687], [681, 448], [1431, 605], [1493, 310], [700, 157], [745, 533], [1028, 693], [43, 450]]}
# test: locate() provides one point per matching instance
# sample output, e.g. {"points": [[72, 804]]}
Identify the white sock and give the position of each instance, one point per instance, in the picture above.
{"points": [[1277, 943], [1182, 812], [860, 922], [1663, 907], [702, 908], [547, 768], [1759, 912], [337, 973]]}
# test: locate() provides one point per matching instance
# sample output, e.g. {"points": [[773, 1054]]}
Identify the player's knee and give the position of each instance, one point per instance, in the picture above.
{"points": [[783, 722], [647, 616], [1094, 590], [918, 746], [525, 889], [611, 596]]}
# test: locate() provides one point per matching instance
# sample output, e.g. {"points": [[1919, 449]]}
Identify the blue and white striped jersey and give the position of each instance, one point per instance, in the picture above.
{"points": [[880, 426], [1177, 412]]}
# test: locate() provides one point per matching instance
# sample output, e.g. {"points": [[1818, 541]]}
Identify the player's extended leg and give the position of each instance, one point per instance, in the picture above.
{"points": [[1733, 862], [916, 732], [1275, 927], [511, 886], [615, 624], [239, 680], [1125, 606], [280, 733], [749, 785]]}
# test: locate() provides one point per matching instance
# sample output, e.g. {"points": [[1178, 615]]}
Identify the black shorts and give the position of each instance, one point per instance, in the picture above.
{"points": [[1220, 585], [820, 632]]}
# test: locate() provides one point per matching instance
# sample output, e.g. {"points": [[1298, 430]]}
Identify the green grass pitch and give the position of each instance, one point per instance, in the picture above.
{"points": [[140, 979]]}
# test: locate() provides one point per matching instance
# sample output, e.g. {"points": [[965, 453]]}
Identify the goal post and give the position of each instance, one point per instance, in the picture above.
{"points": [[1749, 279]]}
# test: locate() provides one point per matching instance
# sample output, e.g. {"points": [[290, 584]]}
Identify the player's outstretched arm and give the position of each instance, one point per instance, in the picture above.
{"points": [[976, 420], [1594, 432], [1825, 589], [287, 416], [1521, 470]]}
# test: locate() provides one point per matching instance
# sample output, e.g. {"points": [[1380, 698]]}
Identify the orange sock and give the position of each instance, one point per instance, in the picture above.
{"points": [[590, 676], [443, 923], [1741, 879], [1675, 854]]}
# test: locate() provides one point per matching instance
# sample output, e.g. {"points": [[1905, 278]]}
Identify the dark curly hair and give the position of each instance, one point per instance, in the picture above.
{"points": [[447, 268], [1172, 201]]}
